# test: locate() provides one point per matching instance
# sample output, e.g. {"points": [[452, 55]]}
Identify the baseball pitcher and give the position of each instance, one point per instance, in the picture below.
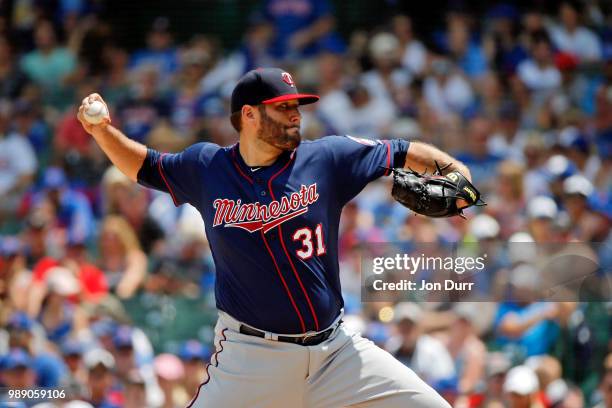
{"points": [[271, 206]]}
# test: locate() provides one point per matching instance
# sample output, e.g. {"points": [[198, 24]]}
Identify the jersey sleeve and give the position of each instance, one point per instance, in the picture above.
{"points": [[178, 174], [360, 161]]}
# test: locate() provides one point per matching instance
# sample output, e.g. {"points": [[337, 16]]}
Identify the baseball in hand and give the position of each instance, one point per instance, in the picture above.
{"points": [[95, 113]]}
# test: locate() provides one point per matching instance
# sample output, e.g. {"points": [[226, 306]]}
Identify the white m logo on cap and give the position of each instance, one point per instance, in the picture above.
{"points": [[288, 79]]}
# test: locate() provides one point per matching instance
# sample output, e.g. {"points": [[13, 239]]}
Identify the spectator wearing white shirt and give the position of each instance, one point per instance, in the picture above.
{"points": [[334, 107], [539, 73], [414, 53], [424, 354], [571, 37], [370, 117], [445, 91], [17, 163], [388, 77]]}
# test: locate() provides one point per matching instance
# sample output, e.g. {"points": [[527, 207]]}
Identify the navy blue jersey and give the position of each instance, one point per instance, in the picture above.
{"points": [[273, 232]]}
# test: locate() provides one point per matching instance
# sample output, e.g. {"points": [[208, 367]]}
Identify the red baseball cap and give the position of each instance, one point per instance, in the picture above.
{"points": [[267, 85]]}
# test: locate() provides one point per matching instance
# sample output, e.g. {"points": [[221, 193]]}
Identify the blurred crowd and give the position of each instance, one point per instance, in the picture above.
{"points": [[523, 96]]}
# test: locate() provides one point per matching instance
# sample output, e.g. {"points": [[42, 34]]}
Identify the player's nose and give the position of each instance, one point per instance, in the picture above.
{"points": [[295, 117]]}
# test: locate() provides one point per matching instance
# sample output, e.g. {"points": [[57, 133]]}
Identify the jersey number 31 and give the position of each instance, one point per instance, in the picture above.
{"points": [[308, 246]]}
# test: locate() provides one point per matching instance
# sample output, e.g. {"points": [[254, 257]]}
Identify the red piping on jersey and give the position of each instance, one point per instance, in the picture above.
{"points": [[250, 180], [284, 283], [216, 357], [161, 172], [388, 158], [280, 234]]}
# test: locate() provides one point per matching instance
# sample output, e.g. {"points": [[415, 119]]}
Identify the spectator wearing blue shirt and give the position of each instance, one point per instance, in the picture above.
{"points": [[160, 52], [144, 109], [48, 368], [303, 28], [72, 209], [523, 327], [502, 36], [482, 164], [468, 54]]}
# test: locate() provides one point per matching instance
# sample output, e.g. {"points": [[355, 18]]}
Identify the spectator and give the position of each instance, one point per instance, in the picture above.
{"points": [[69, 210], [160, 55], [15, 278], [17, 164], [121, 258], [101, 382], [25, 334], [187, 99], [497, 366], [141, 112], [571, 37], [302, 28], [115, 81], [170, 373], [424, 354], [508, 204], [414, 55], [75, 382], [558, 168], [477, 157], [563, 394], [586, 225], [387, 77], [522, 326], [501, 40], [17, 370], [135, 391], [466, 349], [16, 373], [539, 73], [521, 386], [334, 107], [49, 66], [59, 316], [467, 54], [134, 365], [446, 91], [92, 282], [195, 358], [132, 203], [29, 123], [12, 79], [255, 49], [542, 213], [370, 117]]}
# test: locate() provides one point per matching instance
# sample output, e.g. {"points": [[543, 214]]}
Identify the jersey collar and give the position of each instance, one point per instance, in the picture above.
{"points": [[267, 171]]}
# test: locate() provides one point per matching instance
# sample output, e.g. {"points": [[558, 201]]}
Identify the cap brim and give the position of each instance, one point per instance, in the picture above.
{"points": [[303, 99]]}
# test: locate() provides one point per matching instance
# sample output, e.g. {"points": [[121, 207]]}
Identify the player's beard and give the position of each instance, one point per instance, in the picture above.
{"points": [[278, 134]]}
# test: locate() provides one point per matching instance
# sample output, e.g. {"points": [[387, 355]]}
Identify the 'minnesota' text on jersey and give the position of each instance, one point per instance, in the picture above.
{"points": [[273, 232]]}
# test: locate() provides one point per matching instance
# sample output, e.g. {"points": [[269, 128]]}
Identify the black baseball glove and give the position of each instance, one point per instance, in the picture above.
{"points": [[434, 195]]}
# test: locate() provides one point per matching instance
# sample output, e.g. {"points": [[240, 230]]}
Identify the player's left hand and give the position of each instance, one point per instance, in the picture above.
{"points": [[435, 195]]}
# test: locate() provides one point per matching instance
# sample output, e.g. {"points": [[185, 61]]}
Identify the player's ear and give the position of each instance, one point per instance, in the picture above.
{"points": [[248, 113]]}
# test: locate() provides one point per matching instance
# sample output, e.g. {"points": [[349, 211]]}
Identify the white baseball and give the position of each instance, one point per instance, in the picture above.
{"points": [[95, 113]]}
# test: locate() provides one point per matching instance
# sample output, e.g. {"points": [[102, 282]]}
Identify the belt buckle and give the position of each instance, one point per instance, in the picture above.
{"points": [[308, 335]]}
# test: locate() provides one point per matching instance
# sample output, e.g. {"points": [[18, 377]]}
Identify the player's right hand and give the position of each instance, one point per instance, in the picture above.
{"points": [[89, 127]]}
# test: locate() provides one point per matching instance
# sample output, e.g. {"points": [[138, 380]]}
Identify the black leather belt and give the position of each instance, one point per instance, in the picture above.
{"points": [[305, 340]]}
